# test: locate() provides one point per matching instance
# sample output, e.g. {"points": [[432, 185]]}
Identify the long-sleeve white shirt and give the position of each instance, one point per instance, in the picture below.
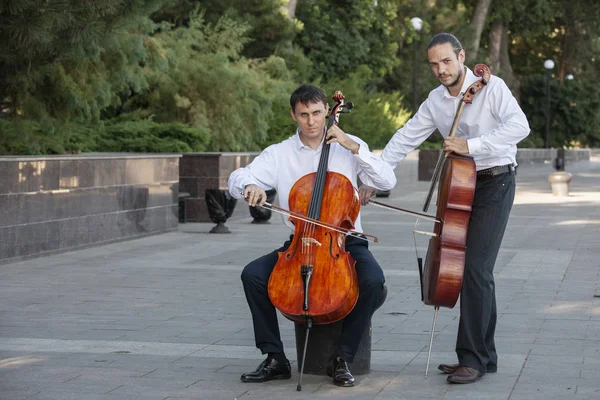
{"points": [[492, 125], [279, 166]]}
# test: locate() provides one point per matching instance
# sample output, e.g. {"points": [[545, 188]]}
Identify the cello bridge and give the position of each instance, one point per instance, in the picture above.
{"points": [[309, 240]]}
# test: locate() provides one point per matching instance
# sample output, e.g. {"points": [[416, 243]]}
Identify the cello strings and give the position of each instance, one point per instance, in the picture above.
{"points": [[345, 231]]}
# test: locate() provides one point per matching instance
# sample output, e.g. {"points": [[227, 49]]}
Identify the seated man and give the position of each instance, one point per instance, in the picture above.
{"points": [[278, 167]]}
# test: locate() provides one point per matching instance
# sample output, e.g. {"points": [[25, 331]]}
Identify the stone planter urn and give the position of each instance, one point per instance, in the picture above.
{"points": [[560, 183], [220, 206]]}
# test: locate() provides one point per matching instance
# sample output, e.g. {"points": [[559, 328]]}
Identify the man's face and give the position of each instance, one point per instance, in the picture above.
{"points": [[445, 65], [310, 118]]}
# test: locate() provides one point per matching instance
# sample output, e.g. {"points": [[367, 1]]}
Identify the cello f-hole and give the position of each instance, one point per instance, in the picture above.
{"points": [[289, 255], [335, 256]]}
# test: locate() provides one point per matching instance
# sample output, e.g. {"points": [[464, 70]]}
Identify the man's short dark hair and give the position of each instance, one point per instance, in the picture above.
{"points": [[307, 94], [443, 38]]}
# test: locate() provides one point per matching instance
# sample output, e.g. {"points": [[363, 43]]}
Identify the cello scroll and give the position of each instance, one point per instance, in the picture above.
{"points": [[480, 70]]}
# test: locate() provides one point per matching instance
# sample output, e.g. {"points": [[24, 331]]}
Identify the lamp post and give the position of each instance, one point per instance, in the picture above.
{"points": [[548, 64], [417, 24]]}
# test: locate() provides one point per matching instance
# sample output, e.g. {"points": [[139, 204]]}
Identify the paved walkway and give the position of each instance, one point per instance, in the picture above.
{"points": [[165, 317]]}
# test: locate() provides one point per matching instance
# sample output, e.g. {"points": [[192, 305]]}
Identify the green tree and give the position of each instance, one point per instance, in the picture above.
{"points": [[340, 35], [376, 115], [574, 117], [267, 21], [209, 86], [68, 59]]}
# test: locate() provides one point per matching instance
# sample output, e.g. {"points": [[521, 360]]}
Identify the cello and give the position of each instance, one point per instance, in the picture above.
{"points": [[314, 280], [441, 276]]}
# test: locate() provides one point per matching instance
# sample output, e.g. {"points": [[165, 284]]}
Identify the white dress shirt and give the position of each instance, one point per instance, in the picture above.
{"points": [[492, 125], [279, 166]]}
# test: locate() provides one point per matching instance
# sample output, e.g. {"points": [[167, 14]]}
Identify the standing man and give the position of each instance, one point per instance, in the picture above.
{"points": [[278, 167], [489, 130]]}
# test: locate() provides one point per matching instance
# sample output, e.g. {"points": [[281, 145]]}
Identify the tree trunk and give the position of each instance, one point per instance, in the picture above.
{"points": [[507, 72], [478, 21], [499, 57], [494, 46], [292, 8], [563, 55]]}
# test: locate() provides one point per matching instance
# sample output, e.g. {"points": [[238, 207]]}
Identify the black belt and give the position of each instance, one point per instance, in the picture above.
{"points": [[489, 173]]}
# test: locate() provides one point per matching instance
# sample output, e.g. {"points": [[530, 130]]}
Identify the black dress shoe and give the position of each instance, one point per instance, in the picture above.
{"points": [[338, 369], [268, 370], [465, 375], [451, 368]]}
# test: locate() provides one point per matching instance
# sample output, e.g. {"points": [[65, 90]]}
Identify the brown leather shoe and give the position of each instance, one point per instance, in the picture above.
{"points": [[448, 368], [465, 375], [451, 368]]}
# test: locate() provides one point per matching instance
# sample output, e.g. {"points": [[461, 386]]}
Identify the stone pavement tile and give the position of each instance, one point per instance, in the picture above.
{"points": [[562, 347], [568, 375], [66, 388], [388, 356], [482, 392], [39, 373], [524, 323], [233, 386], [592, 360], [401, 342], [563, 377], [135, 365], [320, 389], [552, 361], [546, 391], [217, 363], [421, 326], [412, 384], [19, 394], [48, 395], [565, 329], [103, 334], [155, 334], [508, 344], [247, 340], [123, 386], [122, 357], [570, 310], [590, 372], [588, 392]]}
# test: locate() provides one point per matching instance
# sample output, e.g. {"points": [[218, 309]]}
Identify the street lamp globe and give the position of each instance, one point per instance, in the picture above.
{"points": [[548, 64], [570, 77], [417, 23]]}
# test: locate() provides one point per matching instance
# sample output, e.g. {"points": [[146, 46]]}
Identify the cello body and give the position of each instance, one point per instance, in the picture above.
{"points": [[333, 289], [445, 260]]}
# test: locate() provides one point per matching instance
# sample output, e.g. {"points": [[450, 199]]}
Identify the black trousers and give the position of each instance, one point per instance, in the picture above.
{"points": [[492, 203], [255, 278]]}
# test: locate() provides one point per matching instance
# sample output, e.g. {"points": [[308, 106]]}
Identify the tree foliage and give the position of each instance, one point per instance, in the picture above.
{"points": [[573, 113], [67, 59], [208, 75], [340, 35]]}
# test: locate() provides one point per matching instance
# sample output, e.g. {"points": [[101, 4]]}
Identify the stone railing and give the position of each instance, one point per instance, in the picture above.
{"points": [[50, 204]]}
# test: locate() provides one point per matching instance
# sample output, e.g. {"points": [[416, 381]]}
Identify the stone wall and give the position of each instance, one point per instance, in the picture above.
{"points": [[50, 204], [201, 171], [428, 158]]}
